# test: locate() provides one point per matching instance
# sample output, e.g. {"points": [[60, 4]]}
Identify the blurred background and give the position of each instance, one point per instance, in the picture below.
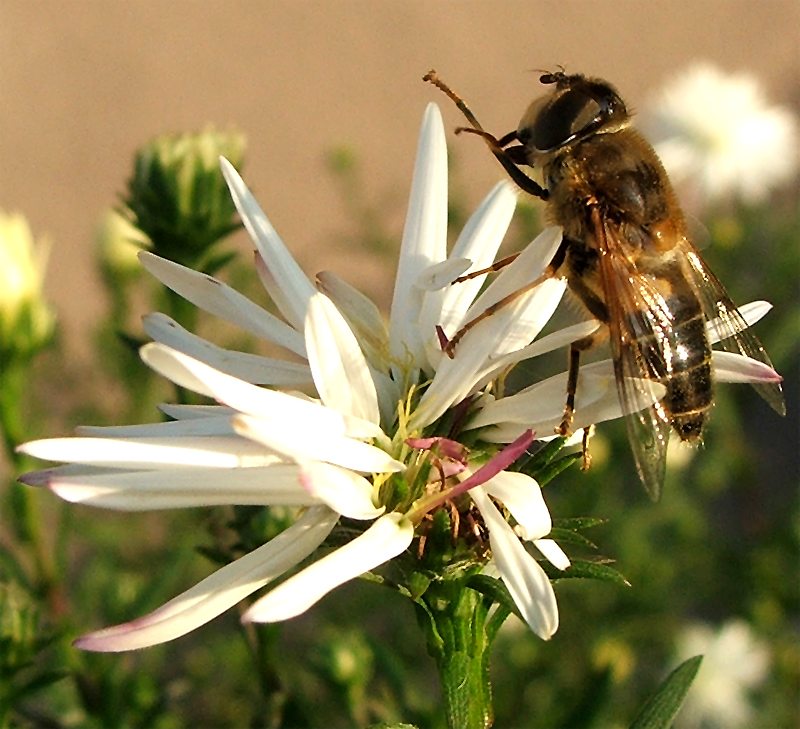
{"points": [[83, 88], [330, 98]]}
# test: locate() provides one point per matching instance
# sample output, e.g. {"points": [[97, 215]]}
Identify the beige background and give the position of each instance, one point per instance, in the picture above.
{"points": [[83, 83]]}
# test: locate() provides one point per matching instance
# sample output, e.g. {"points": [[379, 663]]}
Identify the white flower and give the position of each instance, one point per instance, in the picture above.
{"points": [[376, 396], [26, 321], [734, 663], [716, 134]]}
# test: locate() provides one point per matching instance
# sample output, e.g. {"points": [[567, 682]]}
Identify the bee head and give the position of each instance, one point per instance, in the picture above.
{"points": [[576, 108]]}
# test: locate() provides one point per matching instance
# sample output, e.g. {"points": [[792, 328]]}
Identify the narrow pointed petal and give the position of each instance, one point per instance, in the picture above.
{"points": [[479, 241], [194, 412], [340, 370], [343, 491], [424, 237], [279, 484], [751, 313], [150, 453], [390, 535], [219, 299], [441, 275], [541, 406], [301, 443], [522, 496], [220, 426], [235, 393], [509, 328], [219, 591], [523, 576], [296, 288], [364, 318], [251, 368], [550, 343], [732, 367]]}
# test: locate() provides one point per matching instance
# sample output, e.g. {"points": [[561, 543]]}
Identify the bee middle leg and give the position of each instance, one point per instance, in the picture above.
{"points": [[575, 350]]}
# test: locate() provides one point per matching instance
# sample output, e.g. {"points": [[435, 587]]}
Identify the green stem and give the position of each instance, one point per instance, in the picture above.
{"points": [[454, 618], [26, 520]]}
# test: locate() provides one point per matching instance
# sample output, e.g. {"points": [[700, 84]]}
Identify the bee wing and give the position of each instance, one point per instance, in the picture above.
{"points": [[728, 324], [638, 316]]}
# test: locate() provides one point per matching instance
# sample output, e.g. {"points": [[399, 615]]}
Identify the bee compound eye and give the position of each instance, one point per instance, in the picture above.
{"points": [[563, 119]]}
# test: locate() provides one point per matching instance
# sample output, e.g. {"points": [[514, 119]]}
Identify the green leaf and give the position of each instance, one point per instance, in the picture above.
{"points": [[569, 536], [581, 569], [496, 590], [661, 709], [549, 472]]}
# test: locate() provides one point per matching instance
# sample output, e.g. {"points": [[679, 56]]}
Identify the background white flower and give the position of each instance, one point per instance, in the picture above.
{"points": [[718, 137], [734, 663]]}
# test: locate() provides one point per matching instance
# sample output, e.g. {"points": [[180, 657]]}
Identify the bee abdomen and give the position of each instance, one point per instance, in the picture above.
{"points": [[689, 380]]}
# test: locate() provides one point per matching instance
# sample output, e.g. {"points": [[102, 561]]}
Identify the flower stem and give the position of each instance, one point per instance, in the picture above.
{"points": [[454, 619]]}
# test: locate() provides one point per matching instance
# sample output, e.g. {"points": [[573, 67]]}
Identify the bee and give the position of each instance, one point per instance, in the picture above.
{"points": [[627, 257]]}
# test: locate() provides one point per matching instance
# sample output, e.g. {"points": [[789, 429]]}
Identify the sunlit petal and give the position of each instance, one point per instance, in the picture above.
{"points": [[522, 496], [219, 299], [523, 576], [295, 286], [390, 535], [278, 484], [341, 374], [342, 490], [302, 443], [248, 367], [424, 238]]}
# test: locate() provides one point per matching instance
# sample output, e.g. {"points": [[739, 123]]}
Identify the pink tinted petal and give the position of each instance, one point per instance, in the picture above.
{"points": [[219, 591], [732, 367]]}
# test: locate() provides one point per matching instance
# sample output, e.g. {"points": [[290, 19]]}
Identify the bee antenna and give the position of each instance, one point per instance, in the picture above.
{"points": [[553, 77]]}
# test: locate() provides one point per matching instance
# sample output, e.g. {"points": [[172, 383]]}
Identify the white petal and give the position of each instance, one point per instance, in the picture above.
{"points": [[479, 241], [751, 313], [248, 367], [219, 591], [424, 238], [150, 453], [219, 425], [218, 298], [295, 286], [440, 275], [191, 487], [302, 442], [386, 538], [541, 406], [522, 496], [551, 342], [194, 412], [340, 371], [364, 318], [523, 576], [344, 491], [553, 553], [242, 396], [509, 328]]}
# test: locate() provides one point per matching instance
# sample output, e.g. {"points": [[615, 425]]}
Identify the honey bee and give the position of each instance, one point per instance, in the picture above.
{"points": [[627, 257]]}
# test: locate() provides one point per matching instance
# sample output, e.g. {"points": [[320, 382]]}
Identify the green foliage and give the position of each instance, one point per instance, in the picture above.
{"points": [[661, 709]]}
